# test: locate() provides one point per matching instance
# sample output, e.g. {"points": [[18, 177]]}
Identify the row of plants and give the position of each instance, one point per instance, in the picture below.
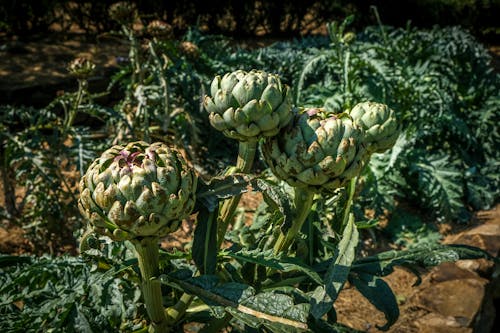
{"points": [[328, 156]]}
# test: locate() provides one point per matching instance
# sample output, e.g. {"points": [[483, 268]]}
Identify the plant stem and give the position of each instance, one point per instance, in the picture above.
{"points": [[148, 257], [82, 87], [163, 84], [379, 22], [246, 155], [351, 189], [303, 202], [174, 313]]}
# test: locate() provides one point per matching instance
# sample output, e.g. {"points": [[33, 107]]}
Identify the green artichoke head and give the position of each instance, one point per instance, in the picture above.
{"points": [[137, 190], [379, 123], [248, 105], [316, 151]]}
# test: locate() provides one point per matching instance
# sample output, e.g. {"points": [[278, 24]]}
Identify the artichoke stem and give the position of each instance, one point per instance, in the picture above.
{"points": [[303, 202], [174, 313], [351, 190], [246, 155], [148, 257]]}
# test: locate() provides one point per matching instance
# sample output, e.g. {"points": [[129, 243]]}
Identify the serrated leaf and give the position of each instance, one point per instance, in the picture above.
{"points": [[269, 308], [276, 198], [440, 184], [324, 296], [63, 292], [383, 263]]}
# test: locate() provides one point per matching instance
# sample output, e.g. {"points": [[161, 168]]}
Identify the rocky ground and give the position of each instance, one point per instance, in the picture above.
{"points": [[452, 298]]}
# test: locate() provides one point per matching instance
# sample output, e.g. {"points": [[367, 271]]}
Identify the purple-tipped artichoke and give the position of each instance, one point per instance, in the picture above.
{"points": [[248, 105], [137, 190], [379, 123], [316, 151]]}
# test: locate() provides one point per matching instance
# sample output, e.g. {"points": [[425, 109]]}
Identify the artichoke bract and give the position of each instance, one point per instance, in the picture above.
{"points": [[379, 123], [317, 151], [137, 190], [248, 105]]}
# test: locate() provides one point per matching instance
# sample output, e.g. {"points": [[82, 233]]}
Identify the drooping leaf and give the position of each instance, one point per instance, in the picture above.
{"points": [[383, 263], [205, 241], [378, 292], [337, 273]]}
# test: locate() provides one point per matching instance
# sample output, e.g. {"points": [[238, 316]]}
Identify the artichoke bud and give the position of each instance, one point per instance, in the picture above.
{"points": [[190, 50], [137, 190], [123, 12], [81, 68], [379, 123], [317, 151], [248, 105], [160, 30]]}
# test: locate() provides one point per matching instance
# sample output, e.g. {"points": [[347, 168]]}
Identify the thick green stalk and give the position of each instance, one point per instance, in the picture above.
{"points": [[351, 189], [303, 202], [148, 256], [246, 155]]}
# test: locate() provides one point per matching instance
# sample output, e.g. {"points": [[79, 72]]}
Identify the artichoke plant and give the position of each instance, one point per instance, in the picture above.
{"points": [[379, 123], [140, 192], [137, 190], [248, 105], [317, 152]]}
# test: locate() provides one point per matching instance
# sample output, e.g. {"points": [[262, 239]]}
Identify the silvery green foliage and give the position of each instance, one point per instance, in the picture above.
{"points": [[248, 105], [66, 294], [317, 151], [137, 190]]}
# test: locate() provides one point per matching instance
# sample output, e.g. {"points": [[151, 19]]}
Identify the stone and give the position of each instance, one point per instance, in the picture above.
{"points": [[437, 323], [460, 299]]}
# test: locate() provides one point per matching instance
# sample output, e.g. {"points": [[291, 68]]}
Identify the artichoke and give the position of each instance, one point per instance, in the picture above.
{"points": [[379, 123], [137, 190], [316, 151], [81, 67], [160, 30], [248, 105], [123, 12]]}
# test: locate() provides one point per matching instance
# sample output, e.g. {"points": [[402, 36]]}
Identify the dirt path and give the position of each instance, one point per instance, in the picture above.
{"points": [[37, 69]]}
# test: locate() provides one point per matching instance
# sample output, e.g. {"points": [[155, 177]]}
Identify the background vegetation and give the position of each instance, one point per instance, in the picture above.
{"points": [[248, 17]]}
